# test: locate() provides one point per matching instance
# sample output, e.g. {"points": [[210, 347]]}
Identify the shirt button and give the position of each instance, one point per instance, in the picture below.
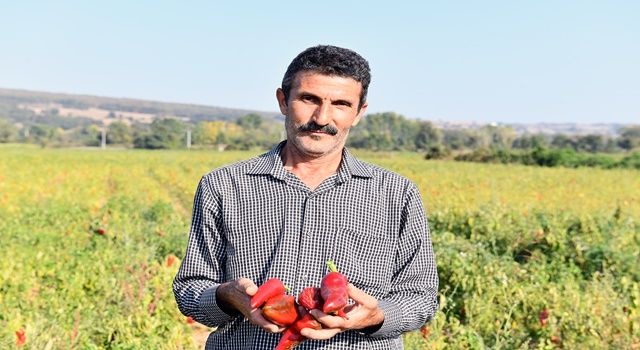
{"points": [[304, 277], [307, 233]]}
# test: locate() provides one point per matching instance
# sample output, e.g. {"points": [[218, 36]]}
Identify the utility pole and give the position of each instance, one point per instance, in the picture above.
{"points": [[103, 142], [188, 139]]}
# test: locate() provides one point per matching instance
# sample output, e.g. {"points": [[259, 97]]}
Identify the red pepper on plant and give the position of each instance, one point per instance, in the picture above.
{"points": [[171, 259], [424, 330], [544, 315], [21, 337]]}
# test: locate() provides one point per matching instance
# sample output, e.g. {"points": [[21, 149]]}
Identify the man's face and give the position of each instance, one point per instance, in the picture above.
{"points": [[320, 111]]}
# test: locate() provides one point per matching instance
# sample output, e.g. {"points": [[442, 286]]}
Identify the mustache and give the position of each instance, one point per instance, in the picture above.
{"points": [[313, 126]]}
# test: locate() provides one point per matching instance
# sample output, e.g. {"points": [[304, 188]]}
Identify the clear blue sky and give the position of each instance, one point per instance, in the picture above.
{"points": [[505, 61]]}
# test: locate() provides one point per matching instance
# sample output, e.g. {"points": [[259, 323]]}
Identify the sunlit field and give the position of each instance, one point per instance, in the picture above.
{"points": [[529, 257]]}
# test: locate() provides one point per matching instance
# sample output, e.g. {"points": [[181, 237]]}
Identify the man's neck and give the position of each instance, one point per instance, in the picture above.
{"points": [[309, 169]]}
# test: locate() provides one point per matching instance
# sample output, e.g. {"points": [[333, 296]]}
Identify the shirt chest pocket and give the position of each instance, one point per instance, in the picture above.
{"points": [[366, 259]]}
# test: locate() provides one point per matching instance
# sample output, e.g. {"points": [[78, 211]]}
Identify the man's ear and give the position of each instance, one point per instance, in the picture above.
{"points": [[282, 101], [360, 114]]}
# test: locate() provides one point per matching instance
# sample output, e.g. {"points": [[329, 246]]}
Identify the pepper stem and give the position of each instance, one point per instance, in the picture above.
{"points": [[332, 266], [286, 288]]}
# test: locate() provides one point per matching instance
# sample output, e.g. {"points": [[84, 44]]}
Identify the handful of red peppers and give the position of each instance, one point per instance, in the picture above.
{"points": [[281, 309]]}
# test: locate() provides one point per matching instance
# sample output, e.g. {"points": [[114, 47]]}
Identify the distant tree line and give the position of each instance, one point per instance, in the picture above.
{"points": [[380, 131], [251, 131], [566, 157], [393, 132]]}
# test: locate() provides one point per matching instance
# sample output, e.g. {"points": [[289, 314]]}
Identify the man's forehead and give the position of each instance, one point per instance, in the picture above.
{"points": [[307, 75]]}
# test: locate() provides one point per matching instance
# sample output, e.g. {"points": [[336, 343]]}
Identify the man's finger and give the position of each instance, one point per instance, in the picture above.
{"points": [[361, 297], [258, 319], [319, 334], [328, 320], [247, 286]]}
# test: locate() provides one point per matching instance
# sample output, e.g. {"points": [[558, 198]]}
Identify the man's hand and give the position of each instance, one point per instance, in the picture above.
{"points": [[363, 313], [237, 295]]}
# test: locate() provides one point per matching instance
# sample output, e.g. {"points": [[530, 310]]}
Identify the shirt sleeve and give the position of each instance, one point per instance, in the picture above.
{"points": [[412, 300], [202, 269]]}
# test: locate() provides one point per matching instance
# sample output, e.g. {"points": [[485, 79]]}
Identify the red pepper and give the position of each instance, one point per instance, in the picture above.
{"points": [[290, 339], [306, 321], [333, 289], [21, 337], [310, 298], [268, 289], [281, 310]]}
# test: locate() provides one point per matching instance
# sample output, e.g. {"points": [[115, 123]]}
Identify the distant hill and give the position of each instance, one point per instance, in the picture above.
{"points": [[23, 106], [70, 110]]}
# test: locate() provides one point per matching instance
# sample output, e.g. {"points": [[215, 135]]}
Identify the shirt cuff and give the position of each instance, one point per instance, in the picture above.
{"points": [[209, 307], [392, 320]]}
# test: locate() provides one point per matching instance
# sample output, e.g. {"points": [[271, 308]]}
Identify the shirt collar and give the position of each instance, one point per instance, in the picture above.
{"points": [[351, 166], [270, 163]]}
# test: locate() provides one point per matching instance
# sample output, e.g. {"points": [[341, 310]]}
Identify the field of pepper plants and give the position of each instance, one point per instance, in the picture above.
{"points": [[529, 258]]}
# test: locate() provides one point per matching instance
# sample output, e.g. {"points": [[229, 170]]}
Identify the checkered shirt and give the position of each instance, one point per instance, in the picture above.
{"points": [[257, 220]]}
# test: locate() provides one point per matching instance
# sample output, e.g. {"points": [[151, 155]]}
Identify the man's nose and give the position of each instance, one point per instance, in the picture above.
{"points": [[322, 115]]}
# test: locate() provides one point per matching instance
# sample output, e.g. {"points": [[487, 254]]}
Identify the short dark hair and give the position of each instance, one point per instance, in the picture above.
{"points": [[330, 60]]}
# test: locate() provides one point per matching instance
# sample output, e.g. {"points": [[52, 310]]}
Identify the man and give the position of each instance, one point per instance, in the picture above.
{"points": [[285, 213]]}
